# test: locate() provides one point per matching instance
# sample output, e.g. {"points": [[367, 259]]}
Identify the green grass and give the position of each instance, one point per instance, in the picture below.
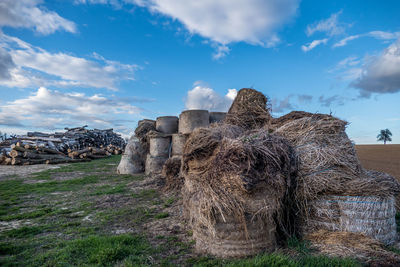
{"points": [[276, 260], [73, 223], [98, 251], [110, 190], [24, 231]]}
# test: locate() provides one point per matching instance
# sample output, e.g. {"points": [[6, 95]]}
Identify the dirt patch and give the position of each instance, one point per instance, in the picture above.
{"points": [[383, 158], [25, 170]]}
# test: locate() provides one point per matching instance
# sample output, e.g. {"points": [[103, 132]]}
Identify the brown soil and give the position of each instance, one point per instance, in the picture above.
{"points": [[385, 158]]}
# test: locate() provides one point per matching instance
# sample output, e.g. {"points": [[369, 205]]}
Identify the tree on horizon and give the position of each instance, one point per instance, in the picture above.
{"points": [[385, 136]]}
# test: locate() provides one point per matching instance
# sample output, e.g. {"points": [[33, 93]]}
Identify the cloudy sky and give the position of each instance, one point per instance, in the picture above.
{"points": [[109, 63]]}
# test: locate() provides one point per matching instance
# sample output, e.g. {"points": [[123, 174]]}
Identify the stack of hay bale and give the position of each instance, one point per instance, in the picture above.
{"points": [[236, 180], [248, 181], [333, 191]]}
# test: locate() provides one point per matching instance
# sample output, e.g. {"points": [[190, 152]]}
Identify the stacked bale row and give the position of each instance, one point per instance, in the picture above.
{"points": [[160, 143]]}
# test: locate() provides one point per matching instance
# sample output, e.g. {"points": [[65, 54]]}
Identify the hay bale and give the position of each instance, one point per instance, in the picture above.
{"points": [[178, 142], [249, 110], [353, 245], [235, 185], [327, 159], [171, 171], [192, 119], [154, 165], [160, 145], [132, 160], [370, 215], [217, 117], [167, 124], [144, 127]]}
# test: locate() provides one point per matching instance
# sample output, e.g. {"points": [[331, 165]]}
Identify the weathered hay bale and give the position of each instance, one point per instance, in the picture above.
{"points": [[154, 165], [178, 142], [144, 126], [353, 245], [172, 173], [327, 158], [133, 158], [235, 186], [227, 236], [160, 145], [167, 124], [192, 119], [217, 117], [371, 215], [249, 110]]}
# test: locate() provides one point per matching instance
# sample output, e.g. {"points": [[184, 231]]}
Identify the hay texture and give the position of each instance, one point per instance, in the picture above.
{"points": [[353, 245], [235, 184], [133, 158], [144, 127], [369, 215], [172, 173], [249, 110], [327, 158]]}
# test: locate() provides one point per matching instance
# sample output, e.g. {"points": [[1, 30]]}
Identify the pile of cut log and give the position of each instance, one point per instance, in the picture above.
{"points": [[75, 145]]}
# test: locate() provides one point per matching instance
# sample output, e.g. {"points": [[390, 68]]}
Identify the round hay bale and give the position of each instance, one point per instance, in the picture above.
{"points": [[217, 117], [132, 160], [167, 124], [192, 119], [326, 156], [160, 146], [235, 187], [144, 127], [178, 142], [154, 165], [249, 110], [172, 173], [373, 216]]}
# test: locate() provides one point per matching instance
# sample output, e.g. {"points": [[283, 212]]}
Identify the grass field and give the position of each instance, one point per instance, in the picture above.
{"points": [[84, 214], [384, 158]]}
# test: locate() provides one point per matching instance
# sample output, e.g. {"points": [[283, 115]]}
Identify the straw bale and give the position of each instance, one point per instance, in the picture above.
{"points": [[353, 245], [133, 158], [371, 215], [145, 126], [326, 156], [172, 173], [235, 178], [249, 110]]}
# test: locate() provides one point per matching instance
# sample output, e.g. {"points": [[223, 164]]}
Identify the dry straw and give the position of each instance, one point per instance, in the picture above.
{"points": [[171, 172], [235, 180], [249, 110], [354, 245]]}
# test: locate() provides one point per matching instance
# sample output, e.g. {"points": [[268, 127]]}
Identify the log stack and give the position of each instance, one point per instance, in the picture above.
{"points": [[75, 145]]}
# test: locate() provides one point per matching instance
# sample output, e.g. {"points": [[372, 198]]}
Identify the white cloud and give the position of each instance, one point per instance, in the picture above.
{"points": [[313, 44], [37, 67], [380, 35], [330, 26], [381, 74], [221, 51], [204, 97], [280, 106], [48, 109], [6, 63], [225, 21], [31, 14]]}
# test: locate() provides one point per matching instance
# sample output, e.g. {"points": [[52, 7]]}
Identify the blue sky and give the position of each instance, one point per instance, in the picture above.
{"points": [[109, 63]]}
